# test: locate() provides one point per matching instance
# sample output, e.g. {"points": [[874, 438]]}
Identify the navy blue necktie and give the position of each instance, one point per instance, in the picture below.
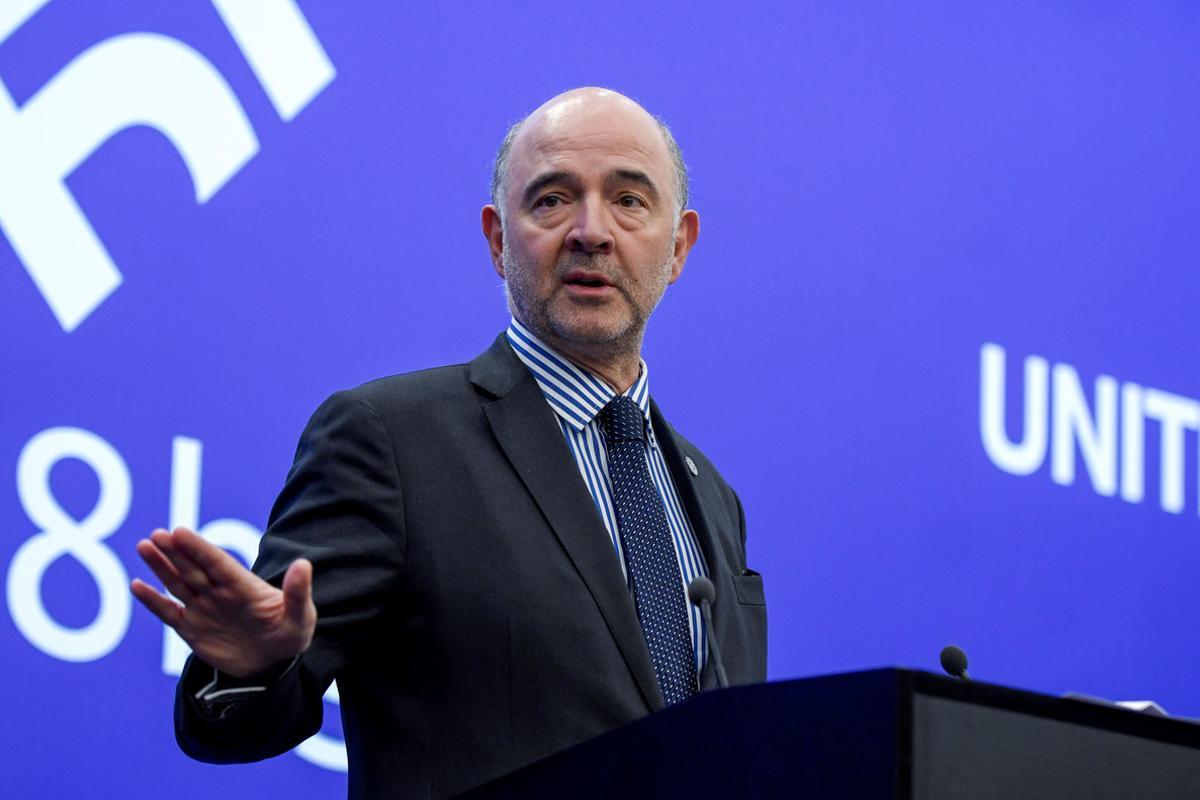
{"points": [[649, 551]]}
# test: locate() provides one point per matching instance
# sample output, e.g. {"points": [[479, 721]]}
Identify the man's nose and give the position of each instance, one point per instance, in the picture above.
{"points": [[591, 231]]}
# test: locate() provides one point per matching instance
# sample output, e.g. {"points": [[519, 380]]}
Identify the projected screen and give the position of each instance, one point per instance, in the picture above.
{"points": [[935, 331]]}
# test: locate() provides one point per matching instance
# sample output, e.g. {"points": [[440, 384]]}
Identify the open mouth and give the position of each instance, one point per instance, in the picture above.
{"points": [[586, 280]]}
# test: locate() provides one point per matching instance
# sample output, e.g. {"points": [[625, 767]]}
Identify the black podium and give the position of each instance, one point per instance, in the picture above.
{"points": [[889, 733]]}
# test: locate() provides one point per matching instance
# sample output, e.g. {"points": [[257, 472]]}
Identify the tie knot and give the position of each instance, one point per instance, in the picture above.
{"points": [[623, 420]]}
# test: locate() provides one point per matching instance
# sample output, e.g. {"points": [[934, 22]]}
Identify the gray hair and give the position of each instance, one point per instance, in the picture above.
{"points": [[500, 165]]}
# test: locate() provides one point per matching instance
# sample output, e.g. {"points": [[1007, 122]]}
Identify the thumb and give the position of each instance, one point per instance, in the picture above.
{"points": [[297, 590]]}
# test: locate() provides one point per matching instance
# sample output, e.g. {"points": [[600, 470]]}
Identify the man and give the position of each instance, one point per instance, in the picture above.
{"points": [[489, 558]]}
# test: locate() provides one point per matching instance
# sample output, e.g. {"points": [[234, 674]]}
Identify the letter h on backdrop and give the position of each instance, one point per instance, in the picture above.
{"points": [[127, 80]]}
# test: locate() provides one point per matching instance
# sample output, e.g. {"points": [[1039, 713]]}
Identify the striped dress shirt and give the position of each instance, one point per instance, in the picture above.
{"points": [[576, 397]]}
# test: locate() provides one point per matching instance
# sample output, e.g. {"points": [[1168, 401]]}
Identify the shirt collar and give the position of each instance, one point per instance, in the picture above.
{"points": [[575, 393]]}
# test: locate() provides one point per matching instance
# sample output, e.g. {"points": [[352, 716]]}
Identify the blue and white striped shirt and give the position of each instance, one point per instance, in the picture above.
{"points": [[577, 396]]}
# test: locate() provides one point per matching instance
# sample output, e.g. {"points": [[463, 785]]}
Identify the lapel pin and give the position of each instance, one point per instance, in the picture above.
{"points": [[691, 465]]}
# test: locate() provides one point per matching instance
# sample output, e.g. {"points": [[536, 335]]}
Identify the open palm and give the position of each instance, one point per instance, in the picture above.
{"points": [[230, 617]]}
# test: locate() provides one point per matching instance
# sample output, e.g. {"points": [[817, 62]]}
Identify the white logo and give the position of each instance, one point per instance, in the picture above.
{"points": [[127, 80], [60, 535], [1109, 433]]}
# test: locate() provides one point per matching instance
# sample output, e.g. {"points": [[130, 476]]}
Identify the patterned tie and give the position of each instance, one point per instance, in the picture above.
{"points": [[649, 551]]}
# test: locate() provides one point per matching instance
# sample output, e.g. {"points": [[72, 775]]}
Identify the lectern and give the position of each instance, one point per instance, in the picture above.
{"points": [[891, 733]]}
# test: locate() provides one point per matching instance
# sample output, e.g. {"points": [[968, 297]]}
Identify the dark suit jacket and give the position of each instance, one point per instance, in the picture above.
{"points": [[471, 606]]}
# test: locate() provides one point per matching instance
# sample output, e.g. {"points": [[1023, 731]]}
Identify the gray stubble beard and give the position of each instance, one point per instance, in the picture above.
{"points": [[543, 325]]}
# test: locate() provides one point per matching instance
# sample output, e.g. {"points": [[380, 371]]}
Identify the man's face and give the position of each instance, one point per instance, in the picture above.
{"points": [[589, 239]]}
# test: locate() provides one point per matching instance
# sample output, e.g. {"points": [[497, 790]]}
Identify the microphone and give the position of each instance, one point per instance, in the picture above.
{"points": [[702, 593], [954, 661]]}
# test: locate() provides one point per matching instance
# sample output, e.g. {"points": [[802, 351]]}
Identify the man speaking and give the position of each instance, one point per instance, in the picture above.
{"points": [[489, 558]]}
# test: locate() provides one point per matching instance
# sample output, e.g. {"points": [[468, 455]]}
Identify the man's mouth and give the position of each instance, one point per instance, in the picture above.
{"points": [[591, 280]]}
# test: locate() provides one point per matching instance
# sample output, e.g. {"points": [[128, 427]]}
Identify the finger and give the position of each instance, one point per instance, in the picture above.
{"points": [[161, 606], [218, 565], [297, 589], [163, 569], [188, 570]]}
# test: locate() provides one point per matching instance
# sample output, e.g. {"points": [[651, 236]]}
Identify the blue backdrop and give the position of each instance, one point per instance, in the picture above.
{"points": [[936, 330]]}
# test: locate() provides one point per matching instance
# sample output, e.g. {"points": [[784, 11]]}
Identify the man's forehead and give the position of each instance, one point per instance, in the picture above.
{"points": [[590, 125]]}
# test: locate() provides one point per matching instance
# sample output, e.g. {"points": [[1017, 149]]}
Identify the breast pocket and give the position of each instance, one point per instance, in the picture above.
{"points": [[744, 638], [748, 588]]}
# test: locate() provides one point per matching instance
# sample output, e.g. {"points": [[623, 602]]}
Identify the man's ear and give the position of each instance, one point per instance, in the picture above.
{"points": [[686, 233], [493, 231]]}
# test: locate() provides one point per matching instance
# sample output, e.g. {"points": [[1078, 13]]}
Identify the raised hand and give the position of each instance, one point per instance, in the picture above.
{"points": [[231, 618]]}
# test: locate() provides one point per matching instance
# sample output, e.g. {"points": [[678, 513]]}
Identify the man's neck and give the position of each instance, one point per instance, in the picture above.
{"points": [[617, 366], [619, 373]]}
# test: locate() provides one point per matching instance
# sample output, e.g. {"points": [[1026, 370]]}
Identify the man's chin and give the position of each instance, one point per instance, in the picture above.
{"points": [[580, 330]]}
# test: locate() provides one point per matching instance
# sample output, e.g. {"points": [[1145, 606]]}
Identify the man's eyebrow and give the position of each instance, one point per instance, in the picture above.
{"points": [[635, 176], [539, 183], [544, 180]]}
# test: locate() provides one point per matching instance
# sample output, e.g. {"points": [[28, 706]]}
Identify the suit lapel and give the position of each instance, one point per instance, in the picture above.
{"points": [[692, 495], [524, 425]]}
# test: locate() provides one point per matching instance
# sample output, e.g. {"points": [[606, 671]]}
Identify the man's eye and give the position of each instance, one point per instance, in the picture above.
{"points": [[630, 201], [549, 201]]}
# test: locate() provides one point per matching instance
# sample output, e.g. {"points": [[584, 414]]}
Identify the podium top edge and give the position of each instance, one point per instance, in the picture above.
{"points": [[909, 683]]}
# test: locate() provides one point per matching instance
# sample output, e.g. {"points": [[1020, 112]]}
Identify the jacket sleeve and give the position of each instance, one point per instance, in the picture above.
{"points": [[341, 508]]}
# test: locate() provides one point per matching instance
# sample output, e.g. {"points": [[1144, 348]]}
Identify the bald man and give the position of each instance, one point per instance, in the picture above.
{"points": [[489, 558]]}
